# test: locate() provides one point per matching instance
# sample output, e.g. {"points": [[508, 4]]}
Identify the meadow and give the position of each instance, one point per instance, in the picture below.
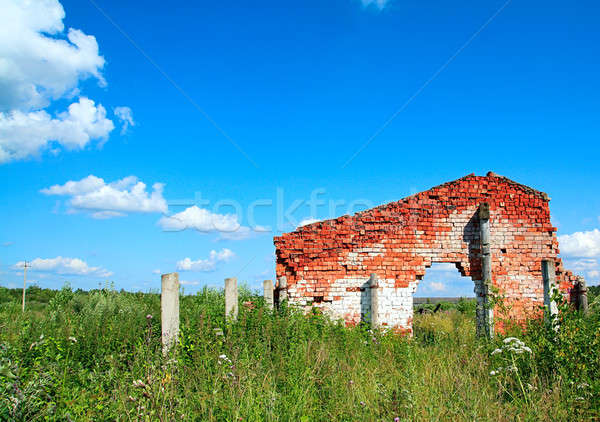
{"points": [[76, 355]]}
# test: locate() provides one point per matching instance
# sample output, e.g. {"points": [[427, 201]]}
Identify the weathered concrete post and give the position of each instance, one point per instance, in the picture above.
{"points": [[283, 295], [231, 298], [268, 293], [549, 276], [169, 310], [373, 287], [582, 299], [485, 311]]}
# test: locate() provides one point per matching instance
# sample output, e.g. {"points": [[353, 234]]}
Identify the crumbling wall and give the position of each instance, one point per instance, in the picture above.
{"points": [[327, 264]]}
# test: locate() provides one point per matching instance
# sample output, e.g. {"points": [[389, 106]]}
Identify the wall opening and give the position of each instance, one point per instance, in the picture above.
{"points": [[442, 282]]}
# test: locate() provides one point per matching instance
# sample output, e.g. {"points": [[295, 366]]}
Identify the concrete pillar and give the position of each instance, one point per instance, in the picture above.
{"points": [[169, 310], [283, 295], [485, 311], [549, 277], [582, 299], [231, 298], [373, 287], [268, 293]]}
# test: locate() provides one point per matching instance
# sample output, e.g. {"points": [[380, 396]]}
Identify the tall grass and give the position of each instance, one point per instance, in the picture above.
{"points": [[97, 356]]}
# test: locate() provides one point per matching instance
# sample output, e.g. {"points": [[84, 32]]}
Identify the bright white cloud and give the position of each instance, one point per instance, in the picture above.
{"points": [[437, 286], [189, 283], [40, 62], [580, 244], [209, 264], [200, 219], [377, 3], [107, 200], [36, 66], [307, 221], [157, 271], [65, 266], [125, 116], [205, 221], [24, 135]]}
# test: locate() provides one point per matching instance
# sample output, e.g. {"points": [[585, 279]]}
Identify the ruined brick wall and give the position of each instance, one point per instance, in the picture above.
{"points": [[327, 264]]}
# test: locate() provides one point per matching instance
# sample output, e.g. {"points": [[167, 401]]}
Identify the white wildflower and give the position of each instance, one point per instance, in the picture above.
{"points": [[496, 351], [72, 339]]}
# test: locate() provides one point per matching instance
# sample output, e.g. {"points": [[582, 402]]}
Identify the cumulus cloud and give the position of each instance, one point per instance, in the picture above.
{"points": [[107, 200], [40, 63], [125, 116], [580, 244], [209, 264], [65, 266], [380, 4], [205, 221], [24, 135]]}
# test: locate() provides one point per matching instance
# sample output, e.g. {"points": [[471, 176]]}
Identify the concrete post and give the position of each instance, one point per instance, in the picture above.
{"points": [[268, 293], [283, 295], [373, 287], [485, 311], [169, 310], [582, 299], [231, 298], [549, 277]]}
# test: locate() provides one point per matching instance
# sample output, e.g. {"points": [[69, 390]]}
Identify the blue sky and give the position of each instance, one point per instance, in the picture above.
{"points": [[228, 113]]}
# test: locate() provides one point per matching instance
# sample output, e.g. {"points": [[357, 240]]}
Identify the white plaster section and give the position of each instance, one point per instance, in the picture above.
{"points": [[358, 255], [395, 304]]}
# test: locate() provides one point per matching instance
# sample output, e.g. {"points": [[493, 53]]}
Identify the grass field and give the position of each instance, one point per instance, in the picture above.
{"points": [[96, 356]]}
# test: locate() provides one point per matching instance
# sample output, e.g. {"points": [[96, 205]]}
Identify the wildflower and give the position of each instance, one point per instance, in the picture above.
{"points": [[510, 339], [492, 373], [131, 398], [396, 419], [218, 332], [224, 358], [148, 317], [350, 382], [139, 384], [72, 339], [496, 351], [362, 403]]}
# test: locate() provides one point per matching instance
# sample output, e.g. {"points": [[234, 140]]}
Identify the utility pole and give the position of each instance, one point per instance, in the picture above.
{"points": [[25, 266]]}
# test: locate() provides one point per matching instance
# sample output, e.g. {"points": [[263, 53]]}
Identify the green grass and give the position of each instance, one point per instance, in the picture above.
{"points": [[96, 356]]}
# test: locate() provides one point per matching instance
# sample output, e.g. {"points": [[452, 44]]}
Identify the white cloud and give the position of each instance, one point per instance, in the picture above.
{"points": [[437, 286], [209, 264], [125, 116], [7, 244], [580, 244], [188, 283], [40, 63], [157, 271], [24, 135], [66, 266], [582, 264], [594, 273], [377, 3], [205, 221], [307, 221], [200, 219], [107, 200]]}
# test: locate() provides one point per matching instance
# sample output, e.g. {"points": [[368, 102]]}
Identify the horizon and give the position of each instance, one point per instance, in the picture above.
{"points": [[185, 138]]}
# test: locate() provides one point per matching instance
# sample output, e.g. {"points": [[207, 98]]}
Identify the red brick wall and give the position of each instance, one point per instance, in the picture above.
{"points": [[400, 240]]}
